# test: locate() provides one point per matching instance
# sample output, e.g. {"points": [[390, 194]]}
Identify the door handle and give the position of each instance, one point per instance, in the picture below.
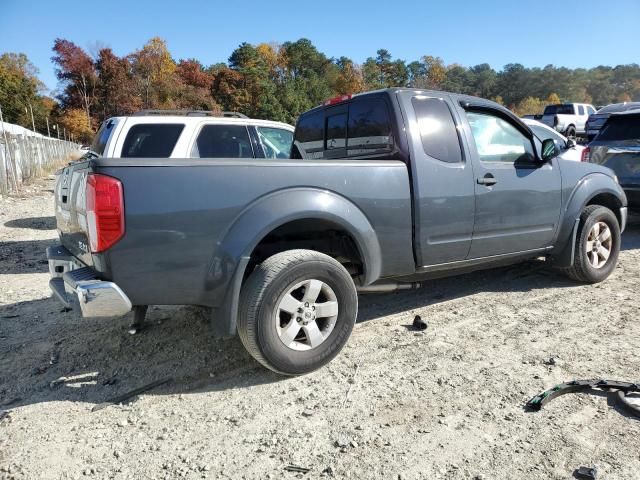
{"points": [[487, 180]]}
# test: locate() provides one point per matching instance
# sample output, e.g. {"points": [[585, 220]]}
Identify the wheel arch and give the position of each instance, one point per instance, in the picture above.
{"points": [[594, 189], [276, 212]]}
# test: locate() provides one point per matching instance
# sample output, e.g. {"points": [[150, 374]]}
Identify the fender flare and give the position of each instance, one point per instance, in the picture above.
{"points": [[227, 267], [585, 190]]}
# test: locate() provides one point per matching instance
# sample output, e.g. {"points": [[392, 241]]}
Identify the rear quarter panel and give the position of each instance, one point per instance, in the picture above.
{"points": [[180, 214]]}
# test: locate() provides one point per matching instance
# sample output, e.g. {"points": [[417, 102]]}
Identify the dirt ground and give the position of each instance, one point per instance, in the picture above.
{"points": [[396, 404]]}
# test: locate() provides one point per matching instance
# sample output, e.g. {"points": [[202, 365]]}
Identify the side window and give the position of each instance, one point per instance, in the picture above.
{"points": [[369, 128], [437, 129], [222, 141], [309, 138], [580, 110], [590, 110], [497, 140], [101, 138], [275, 142], [336, 131], [151, 140]]}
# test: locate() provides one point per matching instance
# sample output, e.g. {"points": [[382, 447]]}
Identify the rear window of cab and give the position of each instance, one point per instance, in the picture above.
{"points": [[360, 127]]}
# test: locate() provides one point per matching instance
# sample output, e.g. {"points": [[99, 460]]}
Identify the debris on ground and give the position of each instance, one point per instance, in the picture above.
{"points": [[296, 468], [540, 400], [126, 396], [586, 473], [419, 323]]}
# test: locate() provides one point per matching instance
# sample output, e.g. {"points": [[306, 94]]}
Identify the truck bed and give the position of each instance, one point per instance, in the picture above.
{"points": [[179, 214]]}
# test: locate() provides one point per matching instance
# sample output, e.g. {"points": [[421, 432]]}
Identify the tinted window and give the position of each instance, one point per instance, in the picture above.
{"points": [[369, 127], [621, 127], [580, 110], [100, 141], [497, 140], [437, 129], [337, 131], [309, 136], [558, 110], [151, 140], [276, 142], [222, 141]]}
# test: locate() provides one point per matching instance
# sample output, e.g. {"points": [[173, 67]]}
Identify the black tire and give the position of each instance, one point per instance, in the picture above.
{"points": [[259, 300], [571, 132], [582, 270]]}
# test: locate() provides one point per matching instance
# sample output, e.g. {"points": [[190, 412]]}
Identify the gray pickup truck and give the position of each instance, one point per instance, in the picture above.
{"points": [[383, 189]]}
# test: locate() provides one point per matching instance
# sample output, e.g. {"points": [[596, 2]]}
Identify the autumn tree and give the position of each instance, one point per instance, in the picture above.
{"points": [[154, 72], [20, 91], [76, 123], [116, 92], [76, 71], [195, 86]]}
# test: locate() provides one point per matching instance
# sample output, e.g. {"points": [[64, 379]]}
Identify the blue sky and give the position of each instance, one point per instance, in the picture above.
{"points": [[572, 34]]}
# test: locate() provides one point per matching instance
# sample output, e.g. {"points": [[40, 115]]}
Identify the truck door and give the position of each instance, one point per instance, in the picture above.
{"points": [[517, 198], [442, 181]]}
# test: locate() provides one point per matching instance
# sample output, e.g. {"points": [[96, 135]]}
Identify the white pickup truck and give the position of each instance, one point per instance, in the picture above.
{"points": [[191, 134], [568, 118]]}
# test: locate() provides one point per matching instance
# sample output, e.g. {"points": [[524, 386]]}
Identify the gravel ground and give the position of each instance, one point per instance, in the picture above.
{"points": [[445, 403]]}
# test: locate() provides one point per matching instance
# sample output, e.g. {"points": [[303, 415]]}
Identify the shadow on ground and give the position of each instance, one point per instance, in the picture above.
{"points": [[25, 256], [35, 223]]}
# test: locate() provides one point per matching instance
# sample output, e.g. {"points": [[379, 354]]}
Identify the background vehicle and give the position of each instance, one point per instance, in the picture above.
{"points": [[617, 146], [567, 118], [191, 134], [387, 188], [569, 149], [596, 120]]}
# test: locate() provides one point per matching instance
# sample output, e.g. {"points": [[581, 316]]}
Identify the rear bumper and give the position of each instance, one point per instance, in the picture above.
{"points": [[78, 286]]}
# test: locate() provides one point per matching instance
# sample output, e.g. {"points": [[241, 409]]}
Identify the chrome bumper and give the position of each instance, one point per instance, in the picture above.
{"points": [[77, 285], [623, 218]]}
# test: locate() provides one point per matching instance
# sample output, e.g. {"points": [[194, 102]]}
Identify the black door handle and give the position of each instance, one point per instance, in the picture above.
{"points": [[487, 180]]}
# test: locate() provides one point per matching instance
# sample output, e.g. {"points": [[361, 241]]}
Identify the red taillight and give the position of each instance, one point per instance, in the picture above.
{"points": [[105, 211], [338, 99], [585, 154]]}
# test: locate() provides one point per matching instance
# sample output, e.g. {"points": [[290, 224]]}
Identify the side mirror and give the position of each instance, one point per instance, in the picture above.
{"points": [[549, 149], [571, 143]]}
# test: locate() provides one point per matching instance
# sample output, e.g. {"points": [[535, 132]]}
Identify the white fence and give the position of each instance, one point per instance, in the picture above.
{"points": [[25, 155]]}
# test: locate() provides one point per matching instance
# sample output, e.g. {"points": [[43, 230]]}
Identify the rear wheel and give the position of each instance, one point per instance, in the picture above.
{"points": [[597, 245], [297, 311], [571, 132]]}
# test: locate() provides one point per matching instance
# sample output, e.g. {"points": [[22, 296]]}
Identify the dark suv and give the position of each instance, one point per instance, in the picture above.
{"points": [[618, 147]]}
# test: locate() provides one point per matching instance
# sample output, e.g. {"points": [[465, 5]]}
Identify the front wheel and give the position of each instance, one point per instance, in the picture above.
{"points": [[597, 245], [297, 311]]}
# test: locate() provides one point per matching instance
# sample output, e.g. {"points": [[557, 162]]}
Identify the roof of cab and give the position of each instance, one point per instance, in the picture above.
{"points": [[418, 91]]}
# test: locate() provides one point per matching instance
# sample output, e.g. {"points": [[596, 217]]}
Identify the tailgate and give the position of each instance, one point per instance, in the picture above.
{"points": [[71, 212], [548, 120]]}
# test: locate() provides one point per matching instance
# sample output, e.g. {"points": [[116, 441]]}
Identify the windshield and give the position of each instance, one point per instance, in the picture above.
{"points": [[558, 110]]}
